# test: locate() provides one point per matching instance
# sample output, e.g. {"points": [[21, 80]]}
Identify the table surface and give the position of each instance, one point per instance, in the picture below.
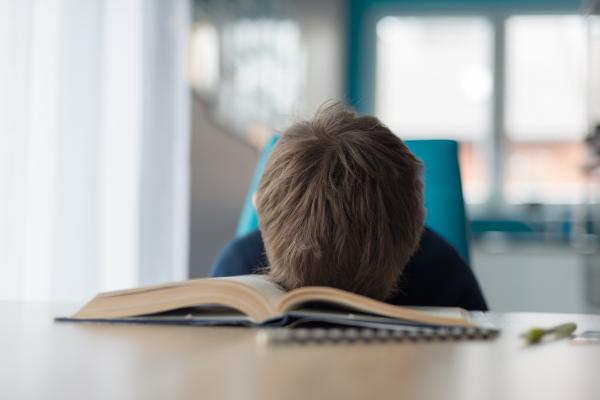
{"points": [[44, 359]]}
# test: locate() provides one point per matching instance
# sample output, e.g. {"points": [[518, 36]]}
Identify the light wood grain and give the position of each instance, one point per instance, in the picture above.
{"points": [[42, 359]]}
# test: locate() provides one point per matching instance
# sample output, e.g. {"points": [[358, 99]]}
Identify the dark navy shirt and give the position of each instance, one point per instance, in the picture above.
{"points": [[436, 275]]}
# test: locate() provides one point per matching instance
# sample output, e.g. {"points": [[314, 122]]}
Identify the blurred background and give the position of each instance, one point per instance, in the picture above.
{"points": [[130, 130]]}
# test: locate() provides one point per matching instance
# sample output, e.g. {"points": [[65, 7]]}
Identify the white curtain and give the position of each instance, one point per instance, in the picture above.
{"points": [[93, 146]]}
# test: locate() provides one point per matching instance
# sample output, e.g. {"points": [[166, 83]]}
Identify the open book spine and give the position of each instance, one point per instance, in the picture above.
{"points": [[354, 335]]}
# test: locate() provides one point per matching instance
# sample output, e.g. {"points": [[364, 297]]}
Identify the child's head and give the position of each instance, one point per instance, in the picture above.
{"points": [[340, 204]]}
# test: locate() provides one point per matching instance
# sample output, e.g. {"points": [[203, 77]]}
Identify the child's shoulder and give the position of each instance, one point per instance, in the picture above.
{"points": [[243, 255], [438, 276], [432, 245]]}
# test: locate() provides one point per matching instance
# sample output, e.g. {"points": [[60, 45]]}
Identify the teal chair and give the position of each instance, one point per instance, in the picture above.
{"points": [[444, 200], [443, 191], [248, 218]]}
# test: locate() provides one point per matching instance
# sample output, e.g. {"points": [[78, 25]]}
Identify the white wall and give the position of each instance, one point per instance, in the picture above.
{"points": [[323, 25], [540, 278], [221, 169]]}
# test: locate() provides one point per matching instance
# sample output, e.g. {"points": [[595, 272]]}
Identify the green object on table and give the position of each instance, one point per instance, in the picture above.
{"points": [[535, 335]]}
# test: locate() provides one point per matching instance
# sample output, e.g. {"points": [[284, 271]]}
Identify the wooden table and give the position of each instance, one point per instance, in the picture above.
{"points": [[46, 360]]}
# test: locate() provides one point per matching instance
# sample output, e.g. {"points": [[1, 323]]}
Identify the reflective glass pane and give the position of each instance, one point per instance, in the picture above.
{"points": [[546, 110], [546, 87]]}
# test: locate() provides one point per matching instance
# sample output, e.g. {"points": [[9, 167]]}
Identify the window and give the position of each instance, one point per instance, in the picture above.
{"points": [[545, 63], [594, 68], [545, 109], [434, 80]]}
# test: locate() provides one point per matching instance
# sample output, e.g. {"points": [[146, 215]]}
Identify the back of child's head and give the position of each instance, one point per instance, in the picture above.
{"points": [[340, 204]]}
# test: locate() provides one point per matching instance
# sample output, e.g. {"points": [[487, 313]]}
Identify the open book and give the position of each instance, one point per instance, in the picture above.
{"points": [[254, 300]]}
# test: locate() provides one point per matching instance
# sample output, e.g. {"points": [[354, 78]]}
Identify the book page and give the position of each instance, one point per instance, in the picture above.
{"points": [[267, 289], [443, 312], [299, 298], [253, 295]]}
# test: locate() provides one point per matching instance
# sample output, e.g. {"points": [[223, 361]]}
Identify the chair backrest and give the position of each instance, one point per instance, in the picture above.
{"points": [[248, 218], [444, 200]]}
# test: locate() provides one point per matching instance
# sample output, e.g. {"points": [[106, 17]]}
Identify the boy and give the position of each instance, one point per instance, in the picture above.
{"points": [[340, 204]]}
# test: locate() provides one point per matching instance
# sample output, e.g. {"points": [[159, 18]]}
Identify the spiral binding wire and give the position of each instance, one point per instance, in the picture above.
{"points": [[350, 335]]}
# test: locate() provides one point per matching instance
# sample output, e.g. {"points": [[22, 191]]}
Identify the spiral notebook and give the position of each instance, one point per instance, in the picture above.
{"points": [[375, 332]]}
